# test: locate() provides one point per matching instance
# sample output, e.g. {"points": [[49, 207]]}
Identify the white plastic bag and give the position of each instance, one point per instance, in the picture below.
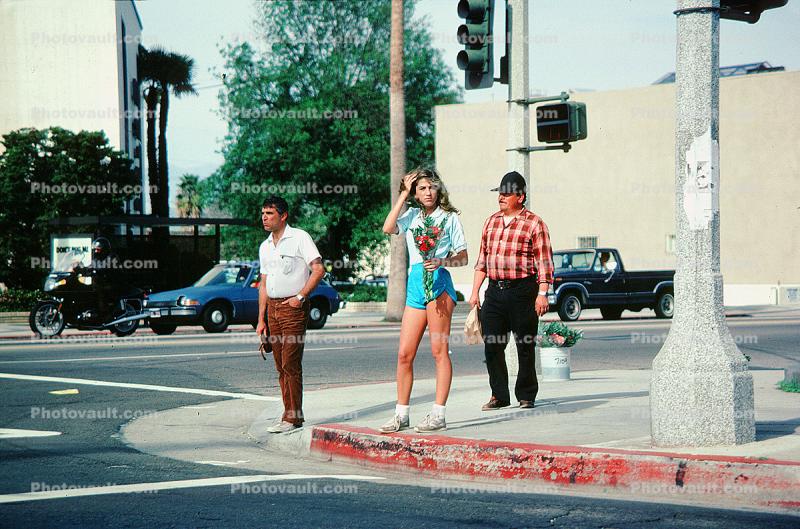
{"points": [[472, 327]]}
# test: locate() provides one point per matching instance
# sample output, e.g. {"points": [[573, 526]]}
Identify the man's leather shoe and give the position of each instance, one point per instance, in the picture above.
{"points": [[526, 404], [494, 404]]}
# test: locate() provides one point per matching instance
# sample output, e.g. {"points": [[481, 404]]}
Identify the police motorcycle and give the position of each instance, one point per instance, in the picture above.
{"points": [[87, 298]]}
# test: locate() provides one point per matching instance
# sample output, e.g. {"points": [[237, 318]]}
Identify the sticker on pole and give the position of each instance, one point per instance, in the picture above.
{"points": [[701, 186]]}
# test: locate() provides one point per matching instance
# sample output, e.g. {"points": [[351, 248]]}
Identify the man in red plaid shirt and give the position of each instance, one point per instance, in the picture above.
{"points": [[516, 256]]}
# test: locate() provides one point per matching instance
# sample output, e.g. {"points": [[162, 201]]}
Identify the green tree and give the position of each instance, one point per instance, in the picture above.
{"points": [[189, 199], [317, 57], [50, 173]]}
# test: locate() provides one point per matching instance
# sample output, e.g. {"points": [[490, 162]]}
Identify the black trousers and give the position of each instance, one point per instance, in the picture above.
{"points": [[511, 310]]}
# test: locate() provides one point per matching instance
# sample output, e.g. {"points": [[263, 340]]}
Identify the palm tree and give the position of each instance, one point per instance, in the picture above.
{"points": [[396, 298], [162, 72], [152, 92], [178, 80], [190, 197]]}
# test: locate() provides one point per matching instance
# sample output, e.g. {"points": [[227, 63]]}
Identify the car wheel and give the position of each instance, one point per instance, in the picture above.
{"points": [[570, 308], [163, 328], [317, 316], [611, 313], [665, 305], [216, 318], [46, 320]]}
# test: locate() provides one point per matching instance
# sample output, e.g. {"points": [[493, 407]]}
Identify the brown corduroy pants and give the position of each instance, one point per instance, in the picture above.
{"points": [[287, 329]]}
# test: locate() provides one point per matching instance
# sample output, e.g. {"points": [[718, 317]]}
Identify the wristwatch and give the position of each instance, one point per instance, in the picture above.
{"points": [[301, 297]]}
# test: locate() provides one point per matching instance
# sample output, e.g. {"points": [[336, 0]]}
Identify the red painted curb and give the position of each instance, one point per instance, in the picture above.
{"points": [[756, 482]]}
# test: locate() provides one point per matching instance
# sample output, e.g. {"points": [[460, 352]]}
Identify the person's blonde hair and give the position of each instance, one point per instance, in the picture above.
{"points": [[442, 196]]}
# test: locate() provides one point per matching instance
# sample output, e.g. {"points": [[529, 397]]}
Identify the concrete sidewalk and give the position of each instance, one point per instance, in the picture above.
{"points": [[589, 435]]}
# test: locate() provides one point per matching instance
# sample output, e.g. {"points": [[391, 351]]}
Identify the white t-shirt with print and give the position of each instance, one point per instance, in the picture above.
{"points": [[451, 241], [288, 266]]}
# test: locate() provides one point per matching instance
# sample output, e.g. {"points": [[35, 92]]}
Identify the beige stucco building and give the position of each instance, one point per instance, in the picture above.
{"points": [[616, 188], [72, 64]]}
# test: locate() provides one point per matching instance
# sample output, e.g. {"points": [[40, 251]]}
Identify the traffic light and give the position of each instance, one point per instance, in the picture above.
{"points": [[477, 57], [747, 10], [561, 122]]}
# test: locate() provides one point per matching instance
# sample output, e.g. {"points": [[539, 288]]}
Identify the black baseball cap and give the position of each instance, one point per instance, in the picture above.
{"points": [[512, 182]]}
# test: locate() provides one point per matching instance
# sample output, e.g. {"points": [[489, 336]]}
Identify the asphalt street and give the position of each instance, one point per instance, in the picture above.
{"points": [[89, 453]]}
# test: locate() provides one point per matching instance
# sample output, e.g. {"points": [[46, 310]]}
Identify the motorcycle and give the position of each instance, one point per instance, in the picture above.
{"points": [[75, 302]]}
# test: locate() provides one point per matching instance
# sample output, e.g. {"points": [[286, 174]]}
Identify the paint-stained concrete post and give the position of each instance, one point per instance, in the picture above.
{"points": [[518, 121], [701, 393]]}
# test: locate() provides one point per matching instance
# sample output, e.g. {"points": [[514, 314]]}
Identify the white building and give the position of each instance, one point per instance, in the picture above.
{"points": [[72, 64]]}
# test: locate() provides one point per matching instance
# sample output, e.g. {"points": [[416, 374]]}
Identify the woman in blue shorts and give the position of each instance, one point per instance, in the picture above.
{"points": [[428, 198]]}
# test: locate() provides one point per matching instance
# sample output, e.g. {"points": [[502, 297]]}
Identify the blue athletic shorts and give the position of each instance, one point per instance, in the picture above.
{"points": [[415, 292]]}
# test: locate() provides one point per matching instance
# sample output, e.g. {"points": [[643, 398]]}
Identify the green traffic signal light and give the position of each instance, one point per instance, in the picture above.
{"points": [[476, 59]]}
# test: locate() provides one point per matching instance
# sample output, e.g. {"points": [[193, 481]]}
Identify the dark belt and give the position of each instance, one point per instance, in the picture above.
{"points": [[504, 284], [279, 300]]}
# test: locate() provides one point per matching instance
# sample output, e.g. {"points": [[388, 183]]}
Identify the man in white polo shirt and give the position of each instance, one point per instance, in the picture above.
{"points": [[291, 268]]}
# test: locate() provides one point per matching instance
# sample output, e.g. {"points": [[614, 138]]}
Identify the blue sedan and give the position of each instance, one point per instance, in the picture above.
{"points": [[226, 294]]}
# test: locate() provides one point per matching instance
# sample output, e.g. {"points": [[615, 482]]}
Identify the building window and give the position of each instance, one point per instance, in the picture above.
{"points": [[587, 241], [670, 246]]}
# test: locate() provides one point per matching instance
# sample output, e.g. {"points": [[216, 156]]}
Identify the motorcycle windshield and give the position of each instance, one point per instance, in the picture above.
{"points": [[67, 262]]}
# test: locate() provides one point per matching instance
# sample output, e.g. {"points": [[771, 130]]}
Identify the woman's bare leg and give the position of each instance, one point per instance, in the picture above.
{"points": [[440, 314], [411, 331]]}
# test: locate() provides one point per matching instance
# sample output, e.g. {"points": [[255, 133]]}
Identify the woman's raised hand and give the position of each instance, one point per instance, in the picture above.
{"points": [[408, 182]]}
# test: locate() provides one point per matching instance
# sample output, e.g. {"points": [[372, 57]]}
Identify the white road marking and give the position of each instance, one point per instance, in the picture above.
{"points": [[170, 485], [197, 407], [137, 357], [223, 463], [209, 392], [11, 433]]}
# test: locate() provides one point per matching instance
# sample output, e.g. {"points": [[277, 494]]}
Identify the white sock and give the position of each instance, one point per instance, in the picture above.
{"points": [[438, 411], [401, 410]]}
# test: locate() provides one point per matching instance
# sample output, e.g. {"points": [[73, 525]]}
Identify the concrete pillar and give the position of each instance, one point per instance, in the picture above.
{"points": [[701, 392], [518, 117]]}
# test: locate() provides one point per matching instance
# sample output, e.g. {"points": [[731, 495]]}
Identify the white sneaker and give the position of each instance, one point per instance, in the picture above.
{"points": [[431, 424], [282, 427], [395, 424]]}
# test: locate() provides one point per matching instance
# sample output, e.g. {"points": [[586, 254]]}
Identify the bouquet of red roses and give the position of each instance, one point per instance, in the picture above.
{"points": [[556, 334], [426, 237]]}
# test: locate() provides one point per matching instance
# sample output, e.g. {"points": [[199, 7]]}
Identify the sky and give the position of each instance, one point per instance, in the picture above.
{"points": [[575, 44]]}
